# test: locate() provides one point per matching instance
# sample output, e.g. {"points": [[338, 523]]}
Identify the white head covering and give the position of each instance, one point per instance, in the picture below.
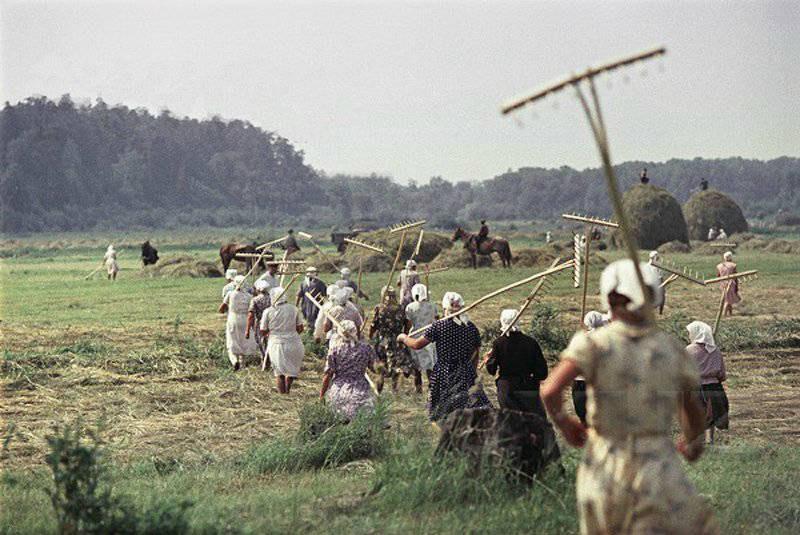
{"points": [[728, 255], [331, 290], [620, 277], [274, 293], [701, 333], [340, 297], [419, 292], [452, 301], [110, 248], [410, 264], [238, 279], [230, 274], [348, 332], [261, 285], [341, 283], [345, 273], [506, 317], [348, 291], [654, 257], [594, 319]]}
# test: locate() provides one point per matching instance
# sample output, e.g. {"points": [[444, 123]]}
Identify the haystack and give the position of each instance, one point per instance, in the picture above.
{"points": [[432, 245], [458, 257], [183, 266], [710, 208], [674, 246], [655, 217]]}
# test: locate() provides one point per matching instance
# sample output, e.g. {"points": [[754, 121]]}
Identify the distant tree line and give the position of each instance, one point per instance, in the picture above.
{"points": [[73, 167]]}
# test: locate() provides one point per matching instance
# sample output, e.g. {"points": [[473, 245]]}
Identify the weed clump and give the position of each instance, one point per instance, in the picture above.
{"points": [[548, 329], [323, 440]]}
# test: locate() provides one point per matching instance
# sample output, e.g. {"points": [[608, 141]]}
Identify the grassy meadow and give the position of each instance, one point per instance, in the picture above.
{"points": [[188, 439]]}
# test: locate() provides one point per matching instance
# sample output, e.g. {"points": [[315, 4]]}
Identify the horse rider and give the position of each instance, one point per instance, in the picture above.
{"points": [[483, 234], [290, 243]]}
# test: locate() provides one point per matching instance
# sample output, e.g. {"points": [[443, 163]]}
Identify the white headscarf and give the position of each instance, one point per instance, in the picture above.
{"points": [[345, 273], [348, 291], [341, 283], [620, 277], [506, 317], [701, 333], [311, 274], [452, 302], [238, 279], [594, 319], [261, 285], [728, 256], [340, 297], [410, 264], [230, 274], [111, 249], [274, 293], [348, 332], [419, 292], [331, 290], [654, 257]]}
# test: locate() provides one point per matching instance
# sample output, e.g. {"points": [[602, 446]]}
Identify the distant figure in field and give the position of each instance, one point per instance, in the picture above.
{"points": [[281, 325], [722, 234], [290, 243], [320, 334], [149, 254], [312, 285], [548, 237], [704, 184], [341, 310], [520, 366], [236, 303], [483, 234], [730, 287], [269, 275], [110, 260], [408, 278], [655, 257], [345, 380], [230, 274], [643, 176], [258, 304], [713, 233], [346, 281], [711, 395]]}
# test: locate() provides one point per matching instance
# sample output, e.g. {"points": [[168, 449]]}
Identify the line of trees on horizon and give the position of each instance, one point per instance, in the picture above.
{"points": [[65, 166]]}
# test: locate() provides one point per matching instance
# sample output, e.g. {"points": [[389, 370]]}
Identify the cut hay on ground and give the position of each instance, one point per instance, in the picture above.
{"points": [[655, 217], [710, 208], [674, 246], [458, 257], [182, 266]]}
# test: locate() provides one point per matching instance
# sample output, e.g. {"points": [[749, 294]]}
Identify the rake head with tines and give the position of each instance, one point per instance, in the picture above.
{"points": [[683, 273], [591, 220], [365, 245], [406, 225], [577, 257]]}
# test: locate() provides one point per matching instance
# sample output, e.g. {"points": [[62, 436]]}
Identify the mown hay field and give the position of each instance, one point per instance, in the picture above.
{"points": [[145, 357]]}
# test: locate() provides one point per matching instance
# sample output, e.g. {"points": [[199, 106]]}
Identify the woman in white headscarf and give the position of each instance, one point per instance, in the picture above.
{"points": [[282, 324], [637, 378], [319, 323], [419, 313], [457, 344], [408, 278], [729, 287], [341, 310], [236, 303], [518, 361], [655, 257], [110, 260], [258, 304], [592, 320], [345, 379], [712, 373]]}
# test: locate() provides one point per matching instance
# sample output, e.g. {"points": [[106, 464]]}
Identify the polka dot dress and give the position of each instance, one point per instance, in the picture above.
{"points": [[453, 375]]}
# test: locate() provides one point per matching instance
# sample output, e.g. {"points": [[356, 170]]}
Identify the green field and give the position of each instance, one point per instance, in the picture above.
{"points": [[145, 357]]}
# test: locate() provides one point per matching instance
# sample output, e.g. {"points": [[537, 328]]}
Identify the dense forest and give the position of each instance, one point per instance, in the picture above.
{"points": [[73, 167]]}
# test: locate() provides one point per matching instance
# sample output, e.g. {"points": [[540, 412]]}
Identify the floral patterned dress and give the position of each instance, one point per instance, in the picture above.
{"points": [[349, 391], [387, 322]]}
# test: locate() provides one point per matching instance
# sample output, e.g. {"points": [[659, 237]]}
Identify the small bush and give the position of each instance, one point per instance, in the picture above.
{"points": [[548, 330], [319, 351], [323, 440]]}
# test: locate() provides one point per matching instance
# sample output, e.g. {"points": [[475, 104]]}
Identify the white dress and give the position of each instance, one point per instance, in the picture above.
{"points": [[284, 346], [422, 313], [111, 262], [238, 303]]}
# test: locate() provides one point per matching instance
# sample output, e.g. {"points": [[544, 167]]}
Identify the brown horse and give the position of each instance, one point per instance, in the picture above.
{"points": [[230, 251], [489, 246]]}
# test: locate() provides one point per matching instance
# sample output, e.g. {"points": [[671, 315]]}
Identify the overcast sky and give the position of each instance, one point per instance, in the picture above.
{"points": [[413, 89]]}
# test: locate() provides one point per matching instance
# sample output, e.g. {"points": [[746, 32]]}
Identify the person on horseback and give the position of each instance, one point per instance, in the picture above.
{"points": [[483, 234]]}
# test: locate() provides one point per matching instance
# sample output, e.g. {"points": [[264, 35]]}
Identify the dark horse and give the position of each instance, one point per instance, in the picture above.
{"points": [[489, 246], [230, 251]]}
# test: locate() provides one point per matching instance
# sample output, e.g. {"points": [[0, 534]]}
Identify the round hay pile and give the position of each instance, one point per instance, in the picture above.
{"points": [[533, 257], [707, 208], [655, 217], [432, 245], [183, 266], [458, 257], [674, 246]]}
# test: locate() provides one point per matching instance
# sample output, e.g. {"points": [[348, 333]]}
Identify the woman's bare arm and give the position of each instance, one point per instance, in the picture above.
{"points": [[571, 427], [326, 382], [413, 343]]}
